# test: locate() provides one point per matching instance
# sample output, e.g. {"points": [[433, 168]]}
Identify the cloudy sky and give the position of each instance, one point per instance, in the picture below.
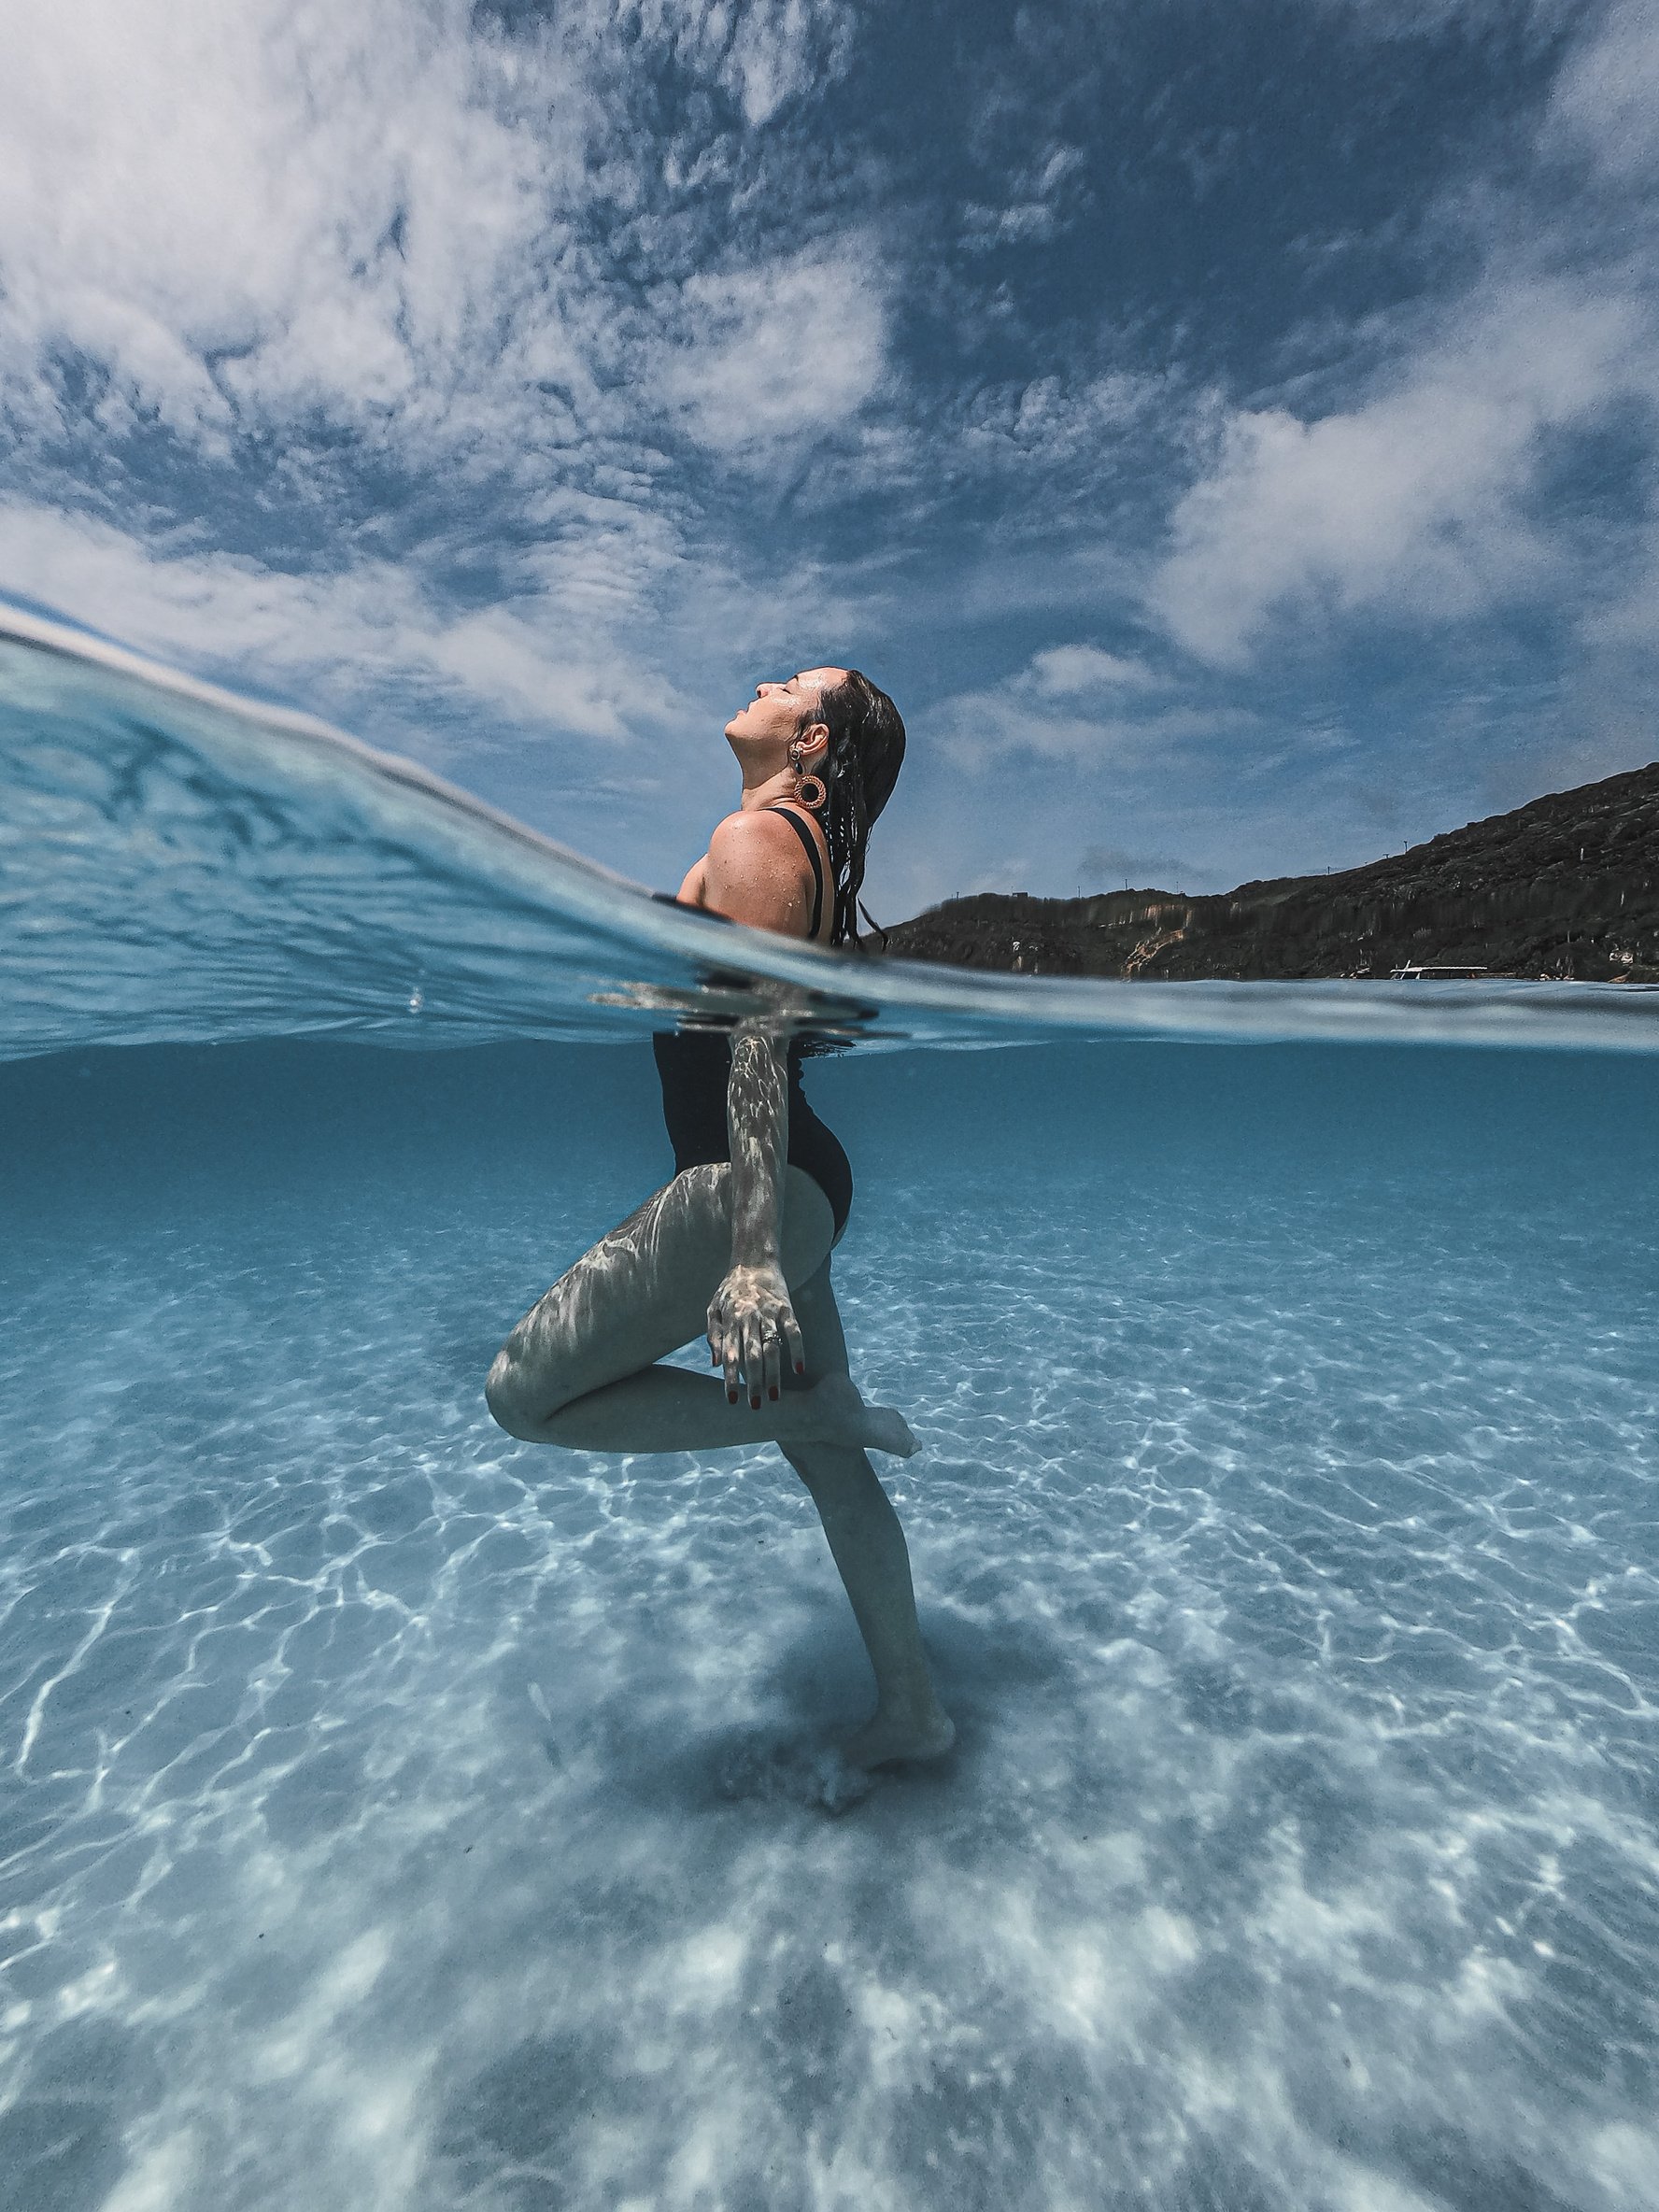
{"points": [[1229, 428]]}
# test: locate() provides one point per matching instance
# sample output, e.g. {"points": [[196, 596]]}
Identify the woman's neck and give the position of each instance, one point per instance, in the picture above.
{"points": [[767, 790]]}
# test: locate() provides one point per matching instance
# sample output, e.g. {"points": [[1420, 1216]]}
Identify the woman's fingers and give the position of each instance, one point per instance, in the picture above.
{"points": [[755, 1355], [727, 1348], [740, 1349], [749, 1337], [730, 1358]]}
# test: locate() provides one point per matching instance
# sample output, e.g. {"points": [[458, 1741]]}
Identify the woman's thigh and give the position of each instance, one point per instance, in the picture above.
{"points": [[820, 1328], [644, 1290]]}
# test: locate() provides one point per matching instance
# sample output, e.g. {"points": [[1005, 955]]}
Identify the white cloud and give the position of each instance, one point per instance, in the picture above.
{"points": [[268, 209], [1411, 18], [383, 234], [1065, 672], [762, 53], [1427, 501], [1630, 618], [1037, 711], [1414, 504], [370, 212], [1607, 94], [363, 629], [1053, 421], [771, 354], [1042, 198], [782, 48], [604, 562]]}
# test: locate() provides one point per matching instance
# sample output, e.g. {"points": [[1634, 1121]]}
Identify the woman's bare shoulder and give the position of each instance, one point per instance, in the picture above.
{"points": [[759, 827], [755, 871], [733, 844]]}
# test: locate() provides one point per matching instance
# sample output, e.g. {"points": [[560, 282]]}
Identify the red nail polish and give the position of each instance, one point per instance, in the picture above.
{"points": [[731, 1397], [773, 1392], [800, 1366]]}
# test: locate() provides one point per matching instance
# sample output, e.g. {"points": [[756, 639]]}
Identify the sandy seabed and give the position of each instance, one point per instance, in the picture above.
{"points": [[395, 1816]]}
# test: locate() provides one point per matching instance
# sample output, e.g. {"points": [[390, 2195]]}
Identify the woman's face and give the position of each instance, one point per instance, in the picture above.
{"points": [[774, 718]]}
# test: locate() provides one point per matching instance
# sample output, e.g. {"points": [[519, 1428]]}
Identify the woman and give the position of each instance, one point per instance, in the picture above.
{"points": [[738, 1244]]}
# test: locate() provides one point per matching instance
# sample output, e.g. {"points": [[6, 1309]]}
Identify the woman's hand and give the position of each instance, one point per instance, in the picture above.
{"points": [[750, 1322]]}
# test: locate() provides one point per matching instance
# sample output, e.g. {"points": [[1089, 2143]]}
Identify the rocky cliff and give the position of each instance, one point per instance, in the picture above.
{"points": [[1567, 885]]}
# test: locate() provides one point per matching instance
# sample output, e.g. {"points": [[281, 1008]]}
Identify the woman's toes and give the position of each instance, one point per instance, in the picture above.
{"points": [[833, 1412], [840, 1416]]}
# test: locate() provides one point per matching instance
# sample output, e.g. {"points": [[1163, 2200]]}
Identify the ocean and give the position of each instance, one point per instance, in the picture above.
{"points": [[393, 1815]]}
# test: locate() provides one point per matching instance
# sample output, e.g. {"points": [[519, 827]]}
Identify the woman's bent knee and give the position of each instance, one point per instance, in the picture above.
{"points": [[512, 1405]]}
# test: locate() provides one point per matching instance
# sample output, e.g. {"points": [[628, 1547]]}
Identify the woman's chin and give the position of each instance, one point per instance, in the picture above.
{"points": [[751, 758]]}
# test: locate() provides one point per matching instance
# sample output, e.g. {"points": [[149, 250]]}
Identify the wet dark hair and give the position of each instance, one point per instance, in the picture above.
{"points": [[859, 771]]}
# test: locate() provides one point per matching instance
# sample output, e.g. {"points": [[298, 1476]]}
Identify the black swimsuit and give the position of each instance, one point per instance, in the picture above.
{"points": [[695, 1069]]}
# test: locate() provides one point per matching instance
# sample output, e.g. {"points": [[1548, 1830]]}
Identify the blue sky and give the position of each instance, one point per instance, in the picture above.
{"points": [[1229, 428]]}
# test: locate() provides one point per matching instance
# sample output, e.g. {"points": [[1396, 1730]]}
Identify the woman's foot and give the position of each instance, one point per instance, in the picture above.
{"points": [[833, 1412], [888, 1738]]}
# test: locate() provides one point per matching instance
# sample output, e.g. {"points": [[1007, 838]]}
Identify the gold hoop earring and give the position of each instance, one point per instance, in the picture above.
{"points": [[811, 790]]}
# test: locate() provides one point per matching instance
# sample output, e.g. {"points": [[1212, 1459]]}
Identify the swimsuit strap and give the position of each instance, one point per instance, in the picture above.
{"points": [[811, 842]]}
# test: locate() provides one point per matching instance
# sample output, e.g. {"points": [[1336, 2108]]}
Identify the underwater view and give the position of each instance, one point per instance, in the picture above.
{"points": [[396, 1814]]}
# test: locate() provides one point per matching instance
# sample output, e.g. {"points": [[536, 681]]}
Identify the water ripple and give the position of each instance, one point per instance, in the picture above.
{"points": [[182, 864]]}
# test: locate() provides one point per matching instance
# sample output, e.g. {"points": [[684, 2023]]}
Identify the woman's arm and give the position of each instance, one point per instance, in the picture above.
{"points": [[754, 872], [750, 1318], [758, 1124]]}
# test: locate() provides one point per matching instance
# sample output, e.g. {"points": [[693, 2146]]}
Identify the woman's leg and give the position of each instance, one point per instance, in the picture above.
{"points": [[578, 1370], [869, 1550]]}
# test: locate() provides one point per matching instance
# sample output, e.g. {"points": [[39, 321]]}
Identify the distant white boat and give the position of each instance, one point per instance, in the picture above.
{"points": [[1415, 971]]}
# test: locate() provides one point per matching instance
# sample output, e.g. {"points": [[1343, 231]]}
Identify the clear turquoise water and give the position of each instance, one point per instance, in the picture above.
{"points": [[393, 1815]]}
